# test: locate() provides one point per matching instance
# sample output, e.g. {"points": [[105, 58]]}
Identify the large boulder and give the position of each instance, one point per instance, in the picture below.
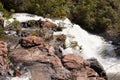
{"points": [[80, 68], [94, 64], [72, 61]]}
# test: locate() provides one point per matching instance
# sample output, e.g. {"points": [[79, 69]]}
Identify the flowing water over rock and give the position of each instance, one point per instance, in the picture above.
{"points": [[81, 42]]}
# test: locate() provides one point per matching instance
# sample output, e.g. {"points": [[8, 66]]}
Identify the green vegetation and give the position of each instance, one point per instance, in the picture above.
{"points": [[16, 25], [96, 15], [92, 15], [7, 14]]}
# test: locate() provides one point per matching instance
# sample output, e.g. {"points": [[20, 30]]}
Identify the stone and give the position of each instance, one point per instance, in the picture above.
{"points": [[91, 72], [40, 58], [48, 24], [3, 48], [46, 34], [78, 75], [3, 59], [57, 42], [30, 41], [94, 64], [117, 51], [72, 61]]}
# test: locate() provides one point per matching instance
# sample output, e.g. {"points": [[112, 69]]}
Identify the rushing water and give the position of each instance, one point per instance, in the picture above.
{"points": [[82, 43]]}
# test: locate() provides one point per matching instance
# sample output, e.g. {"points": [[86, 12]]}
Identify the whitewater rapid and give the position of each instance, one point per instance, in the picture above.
{"points": [[85, 44], [92, 46]]}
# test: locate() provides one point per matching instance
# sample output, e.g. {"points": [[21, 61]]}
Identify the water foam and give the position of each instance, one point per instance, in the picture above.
{"points": [[92, 46]]}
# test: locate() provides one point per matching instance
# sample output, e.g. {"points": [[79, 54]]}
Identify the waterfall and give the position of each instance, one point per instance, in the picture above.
{"points": [[91, 45], [81, 42]]}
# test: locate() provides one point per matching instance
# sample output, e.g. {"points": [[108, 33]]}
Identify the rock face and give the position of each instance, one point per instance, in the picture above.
{"points": [[4, 67], [80, 69], [94, 64], [3, 48], [41, 60]]}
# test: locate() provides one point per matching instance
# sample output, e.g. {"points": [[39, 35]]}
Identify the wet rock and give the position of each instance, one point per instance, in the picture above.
{"points": [[46, 30], [46, 34], [29, 24], [91, 72], [30, 41], [94, 64], [114, 39], [20, 33], [117, 51], [57, 42]]}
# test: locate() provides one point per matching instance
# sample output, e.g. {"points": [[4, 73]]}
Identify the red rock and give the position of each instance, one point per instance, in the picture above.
{"points": [[100, 78], [31, 41], [92, 78], [3, 48], [72, 61], [40, 58], [48, 24], [87, 63], [56, 62], [78, 75], [91, 72], [3, 59]]}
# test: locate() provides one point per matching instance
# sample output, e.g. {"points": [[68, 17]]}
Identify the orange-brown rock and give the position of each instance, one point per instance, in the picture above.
{"points": [[41, 59], [91, 72], [3, 48], [80, 68], [48, 24], [30, 41], [72, 61], [3, 58]]}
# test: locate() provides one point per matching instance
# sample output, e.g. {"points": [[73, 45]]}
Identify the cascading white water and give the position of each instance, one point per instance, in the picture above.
{"points": [[87, 45], [92, 46]]}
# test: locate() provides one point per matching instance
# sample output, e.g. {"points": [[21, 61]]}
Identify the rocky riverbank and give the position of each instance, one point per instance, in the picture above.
{"points": [[39, 56]]}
